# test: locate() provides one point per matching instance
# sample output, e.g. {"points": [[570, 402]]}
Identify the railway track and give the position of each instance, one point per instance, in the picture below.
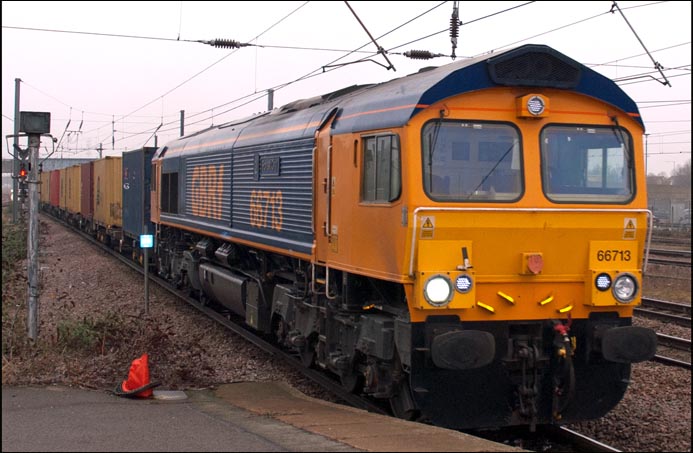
{"points": [[671, 312], [677, 241], [580, 441], [670, 257], [677, 346], [669, 262], [674, 342], [679, 314], [672, 253], [662, 253], [546, 438]]}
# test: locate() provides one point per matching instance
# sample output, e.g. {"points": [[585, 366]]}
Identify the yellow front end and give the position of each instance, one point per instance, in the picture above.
{"points": [[525, 215], [488, 264]]}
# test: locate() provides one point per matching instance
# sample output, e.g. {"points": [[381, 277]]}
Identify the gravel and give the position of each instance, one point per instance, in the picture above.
{"points": [[92, 326]]}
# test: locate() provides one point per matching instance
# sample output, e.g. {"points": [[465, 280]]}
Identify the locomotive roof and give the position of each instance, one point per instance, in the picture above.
{"points": [[393, 103]]}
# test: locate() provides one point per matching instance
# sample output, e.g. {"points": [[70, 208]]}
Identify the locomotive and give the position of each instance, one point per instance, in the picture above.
{"points": [[465, 243]]}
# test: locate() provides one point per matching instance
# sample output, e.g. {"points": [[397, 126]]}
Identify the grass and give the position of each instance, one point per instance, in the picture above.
{"points": [[89, 335], [14, 238]]}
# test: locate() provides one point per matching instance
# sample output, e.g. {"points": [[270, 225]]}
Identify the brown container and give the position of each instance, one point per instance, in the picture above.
{"points": [[54, 195], [108, 192], [62, 202]]}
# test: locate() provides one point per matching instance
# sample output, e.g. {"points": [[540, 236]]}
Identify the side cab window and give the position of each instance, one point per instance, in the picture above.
{"points": [[381, 177]]}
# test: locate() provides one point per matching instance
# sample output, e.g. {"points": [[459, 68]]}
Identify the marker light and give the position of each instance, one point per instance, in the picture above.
{"points": [[463, 283], [625, 288], [438, 291], [603, 282], [535, 105]]}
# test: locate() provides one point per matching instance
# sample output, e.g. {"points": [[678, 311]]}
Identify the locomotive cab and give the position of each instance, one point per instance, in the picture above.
{"points": [[526, 253]]}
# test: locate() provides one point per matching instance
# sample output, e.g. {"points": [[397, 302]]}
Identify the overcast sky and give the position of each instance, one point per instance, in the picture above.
{"points": [[133, 66]]}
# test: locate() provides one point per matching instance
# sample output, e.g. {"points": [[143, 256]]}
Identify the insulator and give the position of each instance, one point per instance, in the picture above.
{"points": [[420, 54], [454, 26], [454, 29], [226, 43]]}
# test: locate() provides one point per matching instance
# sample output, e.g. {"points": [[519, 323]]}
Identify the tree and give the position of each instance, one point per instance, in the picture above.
{"points": [[681, 176]]}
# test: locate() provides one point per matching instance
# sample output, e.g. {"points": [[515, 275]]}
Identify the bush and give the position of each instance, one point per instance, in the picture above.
{"points": [[88, 335]]}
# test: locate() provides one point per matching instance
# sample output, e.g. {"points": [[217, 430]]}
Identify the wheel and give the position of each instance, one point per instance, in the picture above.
{"points": [[351, 378], [401, 402], [279, 329], [307, 355], [352, 381]]}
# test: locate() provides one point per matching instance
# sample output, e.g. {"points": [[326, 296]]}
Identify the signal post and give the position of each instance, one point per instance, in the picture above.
{"points": [[33, 124]]}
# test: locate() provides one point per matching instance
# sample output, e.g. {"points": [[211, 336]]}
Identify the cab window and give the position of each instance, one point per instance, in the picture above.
{"points": [[583, 164], [471, 161], [381, 174]]}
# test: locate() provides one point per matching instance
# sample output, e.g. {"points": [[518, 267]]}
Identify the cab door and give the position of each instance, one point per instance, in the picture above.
{"points": [[323, 190]]}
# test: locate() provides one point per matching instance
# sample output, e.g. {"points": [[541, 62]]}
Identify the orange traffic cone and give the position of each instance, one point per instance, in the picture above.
{"points": [[137, 384]]}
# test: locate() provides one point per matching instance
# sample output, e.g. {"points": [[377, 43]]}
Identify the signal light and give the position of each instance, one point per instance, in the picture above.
{"points": [[22, 172]]}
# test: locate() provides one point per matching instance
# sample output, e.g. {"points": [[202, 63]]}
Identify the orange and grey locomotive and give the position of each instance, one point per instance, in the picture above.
{"points": [[466, 243]]}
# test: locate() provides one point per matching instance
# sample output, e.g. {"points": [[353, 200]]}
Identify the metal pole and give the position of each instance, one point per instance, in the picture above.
{"points": [[146, 264], [15, 166], [146, 281], [33, 237], [182, 123]]}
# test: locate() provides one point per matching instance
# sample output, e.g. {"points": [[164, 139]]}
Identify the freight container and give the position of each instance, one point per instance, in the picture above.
{"points": [[62, 203], [87, 198], [73, 191], [108, 193], [137, 171], [54, 195], [44, 189]]}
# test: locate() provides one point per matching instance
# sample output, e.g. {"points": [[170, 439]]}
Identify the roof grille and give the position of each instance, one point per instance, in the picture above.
{"points": [[534, 66]]}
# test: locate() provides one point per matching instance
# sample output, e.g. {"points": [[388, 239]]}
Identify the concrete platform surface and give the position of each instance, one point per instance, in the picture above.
{"points": [[257, 416]]}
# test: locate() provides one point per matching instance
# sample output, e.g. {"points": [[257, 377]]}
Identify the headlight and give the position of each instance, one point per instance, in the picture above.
{"points": [[438, 291], [625, 288], [536, 105]]}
